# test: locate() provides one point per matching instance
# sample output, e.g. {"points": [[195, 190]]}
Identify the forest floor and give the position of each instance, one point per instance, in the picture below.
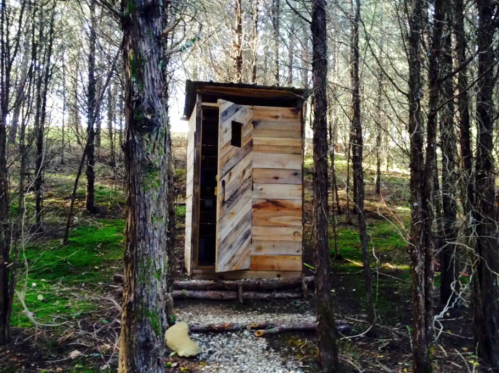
{"points": [[66, 314]]}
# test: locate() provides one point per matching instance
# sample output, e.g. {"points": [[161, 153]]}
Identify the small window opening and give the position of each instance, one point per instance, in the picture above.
{"points": [[237, 134]]}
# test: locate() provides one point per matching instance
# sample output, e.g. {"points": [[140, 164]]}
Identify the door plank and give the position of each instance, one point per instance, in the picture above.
{"points": [[234, 199]]}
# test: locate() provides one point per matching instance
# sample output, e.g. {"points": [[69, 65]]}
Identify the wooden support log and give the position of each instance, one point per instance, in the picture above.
{"points": [[310, 326], [247, 284], [234, 295], [265, 328]]}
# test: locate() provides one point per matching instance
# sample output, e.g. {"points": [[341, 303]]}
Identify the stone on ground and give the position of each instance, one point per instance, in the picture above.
{"points": [[177, 339]]}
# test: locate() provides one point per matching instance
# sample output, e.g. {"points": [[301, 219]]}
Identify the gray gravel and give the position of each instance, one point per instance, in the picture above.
{"points": [[236, 352]]}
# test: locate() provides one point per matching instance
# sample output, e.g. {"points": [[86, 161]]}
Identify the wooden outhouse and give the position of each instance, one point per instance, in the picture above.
{"points": [[244, 188]]}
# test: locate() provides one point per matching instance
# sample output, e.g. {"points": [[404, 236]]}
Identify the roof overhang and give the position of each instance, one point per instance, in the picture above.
{"points": [[257, 94]]}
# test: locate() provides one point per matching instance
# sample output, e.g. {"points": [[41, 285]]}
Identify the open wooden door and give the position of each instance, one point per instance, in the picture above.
{"points": [[234, 191]]}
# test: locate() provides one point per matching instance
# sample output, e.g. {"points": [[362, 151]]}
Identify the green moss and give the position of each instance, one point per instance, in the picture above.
{"points": [[180, 211], [56, 272]]}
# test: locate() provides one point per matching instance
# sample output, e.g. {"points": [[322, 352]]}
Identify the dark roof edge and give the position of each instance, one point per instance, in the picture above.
{"points": [[191, 86]]}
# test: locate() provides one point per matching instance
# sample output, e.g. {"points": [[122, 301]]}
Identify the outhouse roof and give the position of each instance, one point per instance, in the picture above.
{"points": [[241, 93]]}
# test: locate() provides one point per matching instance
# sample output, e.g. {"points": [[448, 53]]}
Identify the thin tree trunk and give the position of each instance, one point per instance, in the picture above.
{"points": [[449, 255], [238, 42], [358, 147], [91, 113], [464, 111], [111, 94], [144, 318], [379, 130], [255, 41], [7, 54], [347, 187], [485, 286], [276, 15], [20, 92], [328, 350], [291, 52], [4, 181], [64, 109], [421, 353]]}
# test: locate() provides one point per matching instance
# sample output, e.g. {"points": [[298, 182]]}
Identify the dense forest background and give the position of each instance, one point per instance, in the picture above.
{"points": [[401, 126]]}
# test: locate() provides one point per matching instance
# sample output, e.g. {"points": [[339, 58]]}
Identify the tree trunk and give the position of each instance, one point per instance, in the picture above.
{"points": [[4, 181], [485, 287], [421, 355], [291, 51], [276, 14], [255, 42], [379, 130], [147, 153], [111, 94], [358, 172], [464, 111], [91, 112], [449, 263], [328, 350], [20, 92], [238, 43], [64, 109]]}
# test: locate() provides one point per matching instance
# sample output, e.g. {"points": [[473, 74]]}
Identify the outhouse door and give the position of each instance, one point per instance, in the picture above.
{"points": [[234, 187]]}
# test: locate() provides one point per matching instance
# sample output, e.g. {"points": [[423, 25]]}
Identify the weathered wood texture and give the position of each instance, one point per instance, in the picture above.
{"points": [[260, 192], [192, 159], [277, 226], [234, 189]]}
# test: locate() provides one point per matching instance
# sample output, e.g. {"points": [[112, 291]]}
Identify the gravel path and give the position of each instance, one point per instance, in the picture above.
{"points": [[236, 352]]}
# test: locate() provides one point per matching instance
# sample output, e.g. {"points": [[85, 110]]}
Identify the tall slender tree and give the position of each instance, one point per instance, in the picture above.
{"points": [[357, 158], [255, 42], [448, 253], [276, 24], [328, 350], [485, 285], [421, 351], [238, 41], [91, 110]]}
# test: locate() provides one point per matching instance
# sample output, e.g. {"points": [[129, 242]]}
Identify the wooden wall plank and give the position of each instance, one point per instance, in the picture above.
{"points": [[276, 114], [279, 126], [279, 161], [276, 263], [279, 134], [209, 273], [277, 191], [277, 233], [277, 149], [277, 176], [277, 218], [277, 204], [269, 247], [273, 141]]}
